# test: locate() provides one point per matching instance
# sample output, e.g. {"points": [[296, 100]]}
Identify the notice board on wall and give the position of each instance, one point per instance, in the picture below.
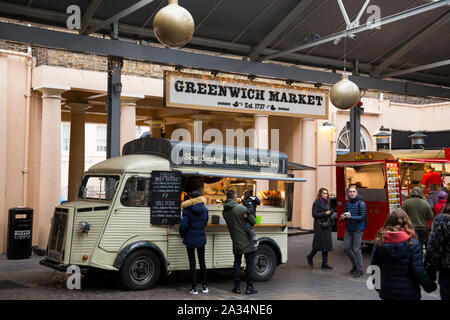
{"points": [[166, 197]]}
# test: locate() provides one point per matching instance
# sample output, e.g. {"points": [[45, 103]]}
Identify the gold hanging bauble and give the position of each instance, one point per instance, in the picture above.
{"points": [[344, 94], [173, 25]]}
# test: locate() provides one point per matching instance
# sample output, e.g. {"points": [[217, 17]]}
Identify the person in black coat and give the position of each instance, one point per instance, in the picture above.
{"points": [[322, 241], [398, 254], [192, 230]]}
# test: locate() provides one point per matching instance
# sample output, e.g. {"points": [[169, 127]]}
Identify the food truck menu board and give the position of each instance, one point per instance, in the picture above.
{"points": [[393, 185], [166, 197]]}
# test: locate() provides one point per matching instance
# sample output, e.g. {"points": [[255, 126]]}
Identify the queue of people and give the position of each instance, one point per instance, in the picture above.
{"points": [[397, 251], [240, 220]]}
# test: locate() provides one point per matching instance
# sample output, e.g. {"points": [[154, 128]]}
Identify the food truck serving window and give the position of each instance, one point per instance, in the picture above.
{"points": [[98, 187], [368, 179]]}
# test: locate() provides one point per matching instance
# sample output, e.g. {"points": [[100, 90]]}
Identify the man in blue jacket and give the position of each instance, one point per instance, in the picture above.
{"points": [[355, 223]]}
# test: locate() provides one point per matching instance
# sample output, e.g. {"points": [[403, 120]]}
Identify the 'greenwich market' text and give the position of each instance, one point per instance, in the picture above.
{"points": [[245, 93]]}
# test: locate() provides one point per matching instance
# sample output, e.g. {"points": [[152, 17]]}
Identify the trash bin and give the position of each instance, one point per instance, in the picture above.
{"points": [[20, 227]]}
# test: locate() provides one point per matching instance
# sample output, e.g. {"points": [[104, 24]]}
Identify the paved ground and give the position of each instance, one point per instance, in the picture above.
{"points": [[292, 281]]}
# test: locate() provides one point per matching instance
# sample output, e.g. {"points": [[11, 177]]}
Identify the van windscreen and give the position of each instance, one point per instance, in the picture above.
{"points": [[98, 187]]}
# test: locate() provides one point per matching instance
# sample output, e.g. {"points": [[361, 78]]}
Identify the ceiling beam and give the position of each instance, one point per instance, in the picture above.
{"points": [[411, 42], [236, 48], [118, 16], [253, 21], [418, 68], [151, 15], [364, 27], [89, 14], [106, 47], [279, 28], [208, 14]]}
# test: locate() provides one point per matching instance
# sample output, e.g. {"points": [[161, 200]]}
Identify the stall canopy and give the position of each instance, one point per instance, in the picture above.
{"points": [[351, 164], [409, 42]]}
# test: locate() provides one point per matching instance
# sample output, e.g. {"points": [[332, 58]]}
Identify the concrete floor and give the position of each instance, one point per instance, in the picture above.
{"points": [[292, 281]]}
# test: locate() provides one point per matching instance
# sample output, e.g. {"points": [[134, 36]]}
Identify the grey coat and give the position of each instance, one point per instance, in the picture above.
{"points": [[322, 236]]}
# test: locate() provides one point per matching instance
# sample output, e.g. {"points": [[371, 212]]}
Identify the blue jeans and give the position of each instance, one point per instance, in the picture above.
{"points": [[352, 247], [249, 265]]}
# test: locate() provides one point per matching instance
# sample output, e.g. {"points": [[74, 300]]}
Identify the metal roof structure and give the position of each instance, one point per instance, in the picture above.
{"points": [[411, 44]]}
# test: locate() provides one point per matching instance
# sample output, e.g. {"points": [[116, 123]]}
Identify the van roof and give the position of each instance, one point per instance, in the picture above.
{"points": [[131, 163]]}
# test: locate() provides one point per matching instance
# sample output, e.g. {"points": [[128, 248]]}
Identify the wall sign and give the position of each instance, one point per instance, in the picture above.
{"points": [[166, 198], [220, 94]]}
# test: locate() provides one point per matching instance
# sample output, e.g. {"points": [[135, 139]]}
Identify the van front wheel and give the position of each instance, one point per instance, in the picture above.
{"points": [[140, 270], [265, 263]]}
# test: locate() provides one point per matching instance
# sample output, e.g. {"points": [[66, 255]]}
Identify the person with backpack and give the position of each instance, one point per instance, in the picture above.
{"points": [[355, 216], [419, 211], [399, 256], [192, 230], [437, 257]]}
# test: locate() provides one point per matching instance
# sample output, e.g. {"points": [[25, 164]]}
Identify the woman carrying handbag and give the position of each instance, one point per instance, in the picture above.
{"points": [[322, 241]]}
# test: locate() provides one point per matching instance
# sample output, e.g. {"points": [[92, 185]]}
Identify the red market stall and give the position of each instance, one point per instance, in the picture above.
{"points": [[384, 180]]}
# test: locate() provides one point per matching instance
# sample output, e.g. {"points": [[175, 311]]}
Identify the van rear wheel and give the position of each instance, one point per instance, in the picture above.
{"points": [[265, 263], [140, 270]]}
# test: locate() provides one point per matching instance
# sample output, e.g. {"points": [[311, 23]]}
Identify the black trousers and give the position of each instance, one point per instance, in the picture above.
{"points": [[324, 255], [192, 266]]}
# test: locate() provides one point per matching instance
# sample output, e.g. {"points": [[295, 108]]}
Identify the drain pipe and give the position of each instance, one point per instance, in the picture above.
{"points": [[27, 126]]}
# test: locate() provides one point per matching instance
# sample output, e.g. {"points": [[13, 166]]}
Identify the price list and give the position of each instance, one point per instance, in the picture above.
{"points": [[166, 197], [393, 184]]}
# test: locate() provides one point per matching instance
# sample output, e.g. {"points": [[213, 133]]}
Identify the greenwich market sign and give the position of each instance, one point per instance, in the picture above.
{"points": [[225, 94]]}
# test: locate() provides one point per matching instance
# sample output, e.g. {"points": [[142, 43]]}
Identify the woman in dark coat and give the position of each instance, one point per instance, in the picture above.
{"points": [[322, 241], [192, 230], [399, 256]]}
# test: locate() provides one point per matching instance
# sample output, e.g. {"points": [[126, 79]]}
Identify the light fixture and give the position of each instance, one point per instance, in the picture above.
{"points": [[417, 140], [345, 94], [382, 139], [327, 124], [173, 25]]}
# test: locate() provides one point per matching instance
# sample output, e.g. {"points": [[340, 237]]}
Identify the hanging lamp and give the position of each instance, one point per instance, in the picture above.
{"points": [[173, 25], [345, 94]]}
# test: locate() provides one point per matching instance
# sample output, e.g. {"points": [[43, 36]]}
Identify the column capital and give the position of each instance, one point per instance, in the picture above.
{"points": [[51, 91], [78, 107], [154, 122], [130, 99]]}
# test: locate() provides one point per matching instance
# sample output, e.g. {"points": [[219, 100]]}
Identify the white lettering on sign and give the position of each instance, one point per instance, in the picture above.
{"points": [[215, 93], [74, 20]]}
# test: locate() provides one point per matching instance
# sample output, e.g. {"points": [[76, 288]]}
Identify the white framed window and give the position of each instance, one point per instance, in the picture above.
{"points": [[101, 139], [65, 139], [343, 142]]}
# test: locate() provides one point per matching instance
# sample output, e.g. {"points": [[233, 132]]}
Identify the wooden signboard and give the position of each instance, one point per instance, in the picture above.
{"points": [[166, 197]]}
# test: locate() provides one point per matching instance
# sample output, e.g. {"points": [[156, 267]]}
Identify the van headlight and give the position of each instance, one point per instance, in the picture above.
{"points": [[84, 226]]}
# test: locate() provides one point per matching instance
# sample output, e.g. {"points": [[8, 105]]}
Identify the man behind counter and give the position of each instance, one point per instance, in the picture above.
{"points": [[430, 177]]}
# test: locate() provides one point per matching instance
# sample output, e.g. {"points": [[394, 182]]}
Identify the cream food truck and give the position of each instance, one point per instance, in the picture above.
{"points": [[126, 215]]}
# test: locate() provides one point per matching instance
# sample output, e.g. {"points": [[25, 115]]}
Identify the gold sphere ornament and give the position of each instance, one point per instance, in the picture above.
{"points": [[173, 25], [344, 94]]}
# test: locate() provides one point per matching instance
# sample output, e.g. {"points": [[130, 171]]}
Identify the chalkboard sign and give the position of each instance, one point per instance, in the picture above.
{"points": [[166, 197]]}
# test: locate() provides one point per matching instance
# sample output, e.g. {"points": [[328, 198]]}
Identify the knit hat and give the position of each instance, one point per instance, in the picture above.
{"points": [[442, 195]]}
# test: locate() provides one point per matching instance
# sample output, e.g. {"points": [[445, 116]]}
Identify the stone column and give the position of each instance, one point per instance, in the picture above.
{"points": [[127, 120], [308, 190], [76, 152], [261, 141], [155, 126], [50, 170]]}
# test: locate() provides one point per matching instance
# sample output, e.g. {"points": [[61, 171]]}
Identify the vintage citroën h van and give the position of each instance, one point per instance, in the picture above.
{"points": [[126, 216]]}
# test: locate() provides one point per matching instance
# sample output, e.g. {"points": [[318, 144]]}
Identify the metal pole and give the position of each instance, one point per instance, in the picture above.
{"points": [[355, 121], [113, 107]]}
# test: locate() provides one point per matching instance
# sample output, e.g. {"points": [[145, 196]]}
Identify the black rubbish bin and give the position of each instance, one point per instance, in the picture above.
{"points": [[20, 233]]}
